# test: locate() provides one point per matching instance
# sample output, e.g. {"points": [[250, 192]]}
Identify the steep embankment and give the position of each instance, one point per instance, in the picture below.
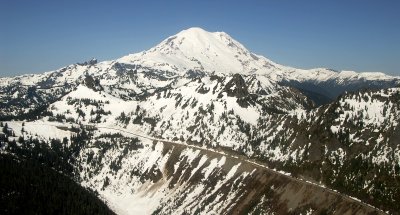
{"points": [[176, 178]]}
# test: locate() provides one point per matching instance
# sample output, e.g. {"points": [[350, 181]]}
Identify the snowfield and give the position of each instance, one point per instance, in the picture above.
{"points": [[200, 125]]}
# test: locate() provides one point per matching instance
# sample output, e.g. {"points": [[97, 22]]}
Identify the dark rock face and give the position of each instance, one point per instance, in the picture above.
{"points": [[93, 83], [89, 63], [236, 87], [192, 74]]}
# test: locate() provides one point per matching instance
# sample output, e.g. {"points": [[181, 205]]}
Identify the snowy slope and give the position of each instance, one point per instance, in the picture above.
{"points": [[142, 176], [189, 54], [207, 89], [197, 49]]}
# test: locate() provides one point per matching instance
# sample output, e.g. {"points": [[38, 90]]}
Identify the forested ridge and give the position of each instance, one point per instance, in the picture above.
{"points": [[28, 187]]}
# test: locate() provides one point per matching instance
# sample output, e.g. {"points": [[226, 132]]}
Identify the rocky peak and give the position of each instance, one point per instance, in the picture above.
{"points": [[91, 62]]}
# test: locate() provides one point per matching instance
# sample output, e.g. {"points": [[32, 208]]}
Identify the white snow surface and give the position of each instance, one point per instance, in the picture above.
{"points": [[193, 49], [197, 49], [41, 129]]}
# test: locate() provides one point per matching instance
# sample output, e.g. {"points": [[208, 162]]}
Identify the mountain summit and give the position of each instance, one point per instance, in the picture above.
{"points": [[195, 52], [198, 124], [197, 49]]}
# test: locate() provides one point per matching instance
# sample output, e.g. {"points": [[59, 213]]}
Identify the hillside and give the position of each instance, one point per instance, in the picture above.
{"points": [[199, 124], [27, 187]]}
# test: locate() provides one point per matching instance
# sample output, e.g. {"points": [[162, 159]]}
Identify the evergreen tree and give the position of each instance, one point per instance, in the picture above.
{"points": [[33, 188], [21, 139], [5, 129]]}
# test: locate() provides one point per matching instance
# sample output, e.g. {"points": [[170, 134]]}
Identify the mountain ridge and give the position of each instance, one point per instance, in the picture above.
{"points": [[273, 118], [200, 43], [195, 52]]}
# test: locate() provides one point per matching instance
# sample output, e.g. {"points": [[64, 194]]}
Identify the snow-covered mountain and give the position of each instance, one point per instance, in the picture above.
{"points": [[198, 50], [195, 49], [195, 52], [213, 119]]}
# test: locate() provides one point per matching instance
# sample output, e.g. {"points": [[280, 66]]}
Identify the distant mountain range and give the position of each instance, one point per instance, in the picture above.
{"points": [[199, 124]]}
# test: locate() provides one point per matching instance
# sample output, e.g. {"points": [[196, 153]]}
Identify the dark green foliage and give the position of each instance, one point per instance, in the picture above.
{"points": [[111, 135], [106, 183], [151, 121], [77, 143], [385, 189], [85, 102], [55, 156], [243, 126], [355, 174], [123, 118], [32, 114], [138, 119], [5, 128], [48, 186], [28, 187], [57, 118], [21, 139], [80, 113]]}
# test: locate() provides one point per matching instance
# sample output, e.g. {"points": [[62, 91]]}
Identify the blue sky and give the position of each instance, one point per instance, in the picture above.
{"points": [[361, 35]]}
